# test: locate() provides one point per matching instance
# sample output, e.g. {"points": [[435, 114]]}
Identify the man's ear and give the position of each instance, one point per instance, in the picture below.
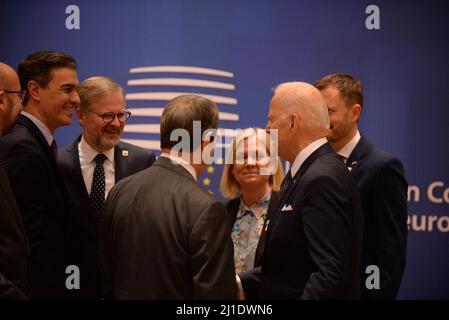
{"points": [[208, 138], [80, 116], [204, 144], [208, 149], [294, 121], [34, 90], [207, 145], [356, 112], [2, 101]]}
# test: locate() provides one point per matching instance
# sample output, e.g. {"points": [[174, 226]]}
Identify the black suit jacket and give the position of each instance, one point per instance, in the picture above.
{"points": [[314, 238], [232, 208], [13, 245], [166, 238], [42, 200], [383, 190], [84, 227]]}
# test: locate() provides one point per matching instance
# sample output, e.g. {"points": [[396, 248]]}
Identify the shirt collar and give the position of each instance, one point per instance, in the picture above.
{"points": [[181, 162], [41, 126], [349, 147], [305, 153], [90, 153], [262, 203]]}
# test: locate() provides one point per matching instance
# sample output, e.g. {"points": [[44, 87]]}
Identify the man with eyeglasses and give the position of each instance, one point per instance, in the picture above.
{"points": [[50, 80], [13, 243], [11, 99], [91, 166]]}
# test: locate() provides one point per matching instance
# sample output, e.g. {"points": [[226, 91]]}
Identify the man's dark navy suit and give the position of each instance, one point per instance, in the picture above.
{"points": [[43, 203], [383, 190], [84, 226], [313, 241], [14, 252]]}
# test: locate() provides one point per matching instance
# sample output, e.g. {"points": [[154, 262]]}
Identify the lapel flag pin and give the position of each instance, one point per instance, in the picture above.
{"points": [[266, 225], [353, 163], [124, 153]]}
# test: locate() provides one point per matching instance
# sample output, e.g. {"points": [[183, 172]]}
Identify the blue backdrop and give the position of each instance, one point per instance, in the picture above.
{"points": [[247, 47]]}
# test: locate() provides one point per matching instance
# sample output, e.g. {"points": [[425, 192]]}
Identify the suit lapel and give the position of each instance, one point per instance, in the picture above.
{"points": [[274, 200], [121, 154], [355, 159], [24, 121], [75, 163], [324, 149]]}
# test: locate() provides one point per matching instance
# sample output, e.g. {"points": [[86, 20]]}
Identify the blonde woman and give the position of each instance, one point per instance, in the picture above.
{"points": [[253, 194]]}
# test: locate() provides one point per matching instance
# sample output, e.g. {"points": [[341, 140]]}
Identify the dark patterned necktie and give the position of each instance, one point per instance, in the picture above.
{"points": [[286, 182], [342, 158], [54, 149], [98, 186]]}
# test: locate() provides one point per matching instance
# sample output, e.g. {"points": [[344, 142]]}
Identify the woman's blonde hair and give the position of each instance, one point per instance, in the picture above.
{"points": [[230, 188]]}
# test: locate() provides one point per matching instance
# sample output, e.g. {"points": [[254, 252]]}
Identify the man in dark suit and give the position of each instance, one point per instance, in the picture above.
{"points": [[50, 80], [381, 182], [164, 236], [102, 115], [313, 239], [13, 244]]}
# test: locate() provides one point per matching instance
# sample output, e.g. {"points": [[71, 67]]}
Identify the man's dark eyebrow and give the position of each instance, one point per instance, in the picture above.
{"points": [[67, 86]]}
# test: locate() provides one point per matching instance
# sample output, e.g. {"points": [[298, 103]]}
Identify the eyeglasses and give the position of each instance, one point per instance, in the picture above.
{"points": [[21, 94], [108, 117]]}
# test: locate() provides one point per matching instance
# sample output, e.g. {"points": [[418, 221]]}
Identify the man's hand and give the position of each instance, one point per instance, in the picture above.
{"points": [[240, 292]]}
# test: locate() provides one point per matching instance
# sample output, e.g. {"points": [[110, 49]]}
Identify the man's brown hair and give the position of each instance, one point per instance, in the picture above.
{"points": [[180, 113], [350, 89], [38, 66]]}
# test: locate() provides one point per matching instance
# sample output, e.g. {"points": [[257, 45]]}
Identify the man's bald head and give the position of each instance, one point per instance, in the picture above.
{"points": [[8, 77], [10, 103], [304, 99], [298, 115]]}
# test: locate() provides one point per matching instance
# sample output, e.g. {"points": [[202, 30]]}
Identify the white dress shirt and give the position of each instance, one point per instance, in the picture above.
{"points": [[87, 161], [41, 126], [305, 153], [181, 162], [347, 149]]}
